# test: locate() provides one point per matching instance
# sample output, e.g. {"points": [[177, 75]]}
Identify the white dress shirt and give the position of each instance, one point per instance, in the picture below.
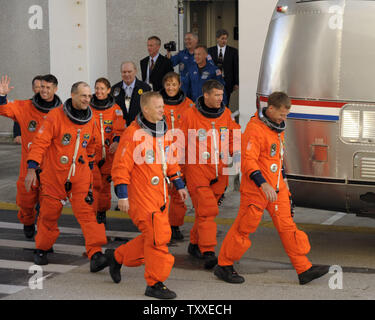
{"points": [[128, 93], [149, 66], [222, 50]]}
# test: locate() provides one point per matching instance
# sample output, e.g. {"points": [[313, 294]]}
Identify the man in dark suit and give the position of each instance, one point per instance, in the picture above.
{"points": [[155, 66], [127, 92], [226, 59]]}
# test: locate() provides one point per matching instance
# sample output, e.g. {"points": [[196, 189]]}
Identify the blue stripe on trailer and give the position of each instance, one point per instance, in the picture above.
{"points": [[312, 116]]}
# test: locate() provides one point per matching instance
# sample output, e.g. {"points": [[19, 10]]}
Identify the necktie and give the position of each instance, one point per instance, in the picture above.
{"points": [[151, 64], [221, 56], [220, 60]]}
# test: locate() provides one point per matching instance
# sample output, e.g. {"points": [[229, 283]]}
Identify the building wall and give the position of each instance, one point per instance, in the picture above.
{"points": [[254, 19], [77, 42], [130, 23], [31, 45], [24, 50]]}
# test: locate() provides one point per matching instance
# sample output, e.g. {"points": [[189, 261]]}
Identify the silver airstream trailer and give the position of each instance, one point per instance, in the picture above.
{"points": [[322, 54]]}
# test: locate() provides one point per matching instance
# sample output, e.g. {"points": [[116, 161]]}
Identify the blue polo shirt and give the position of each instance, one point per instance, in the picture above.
{"points": [[195, 78], [185, 60]]}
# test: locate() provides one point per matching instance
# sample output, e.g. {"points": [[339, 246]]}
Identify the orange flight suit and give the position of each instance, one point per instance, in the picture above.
{"points": [[173, 111], [55, 145], [112, 125], [29, 119], [261, 152], [200, 168], [137, 164]]}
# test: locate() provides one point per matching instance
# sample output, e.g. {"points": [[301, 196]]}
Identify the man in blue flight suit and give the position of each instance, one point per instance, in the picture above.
{"points": [[185, 58], [199, 72]]}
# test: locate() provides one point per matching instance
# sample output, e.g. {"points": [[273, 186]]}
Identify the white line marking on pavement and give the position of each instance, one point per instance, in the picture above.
{"points": [[24, 265], [58, 248], [122, 234], [10, 289], [334, 218]]}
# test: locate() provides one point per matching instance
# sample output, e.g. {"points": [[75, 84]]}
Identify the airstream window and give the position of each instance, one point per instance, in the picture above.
{"points": [[357, 123], [368, 125], [350, 128]]}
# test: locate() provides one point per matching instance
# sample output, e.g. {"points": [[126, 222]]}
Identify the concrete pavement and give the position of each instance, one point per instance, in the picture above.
{"points": [[266, 268]]}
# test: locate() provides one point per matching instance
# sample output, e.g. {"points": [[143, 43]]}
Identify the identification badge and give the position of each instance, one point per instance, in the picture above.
{"points": [[273, 149], [202, 134], [205, 75], [32, 126], [223, 133], [150, 156], [66, 139]]}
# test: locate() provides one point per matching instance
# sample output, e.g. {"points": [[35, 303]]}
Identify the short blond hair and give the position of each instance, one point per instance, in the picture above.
{"points": [[147, 96]]}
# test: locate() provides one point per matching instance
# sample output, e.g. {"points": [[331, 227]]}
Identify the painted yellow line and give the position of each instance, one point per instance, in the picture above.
{"points": [[67, 211], [226, 221], [8, 206]]}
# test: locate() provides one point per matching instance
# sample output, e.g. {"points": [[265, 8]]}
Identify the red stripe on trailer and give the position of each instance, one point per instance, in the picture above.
{"points": [[312, 103]]}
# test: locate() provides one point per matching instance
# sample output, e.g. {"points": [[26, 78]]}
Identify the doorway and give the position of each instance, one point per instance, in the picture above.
{"points": [[205, 17]]}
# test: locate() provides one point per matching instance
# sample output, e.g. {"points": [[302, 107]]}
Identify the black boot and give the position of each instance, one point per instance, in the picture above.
{"points": [[194, 251], [313, 273], [98, 262], [101, 217], [114, 266], [160, 291], [176, 233], [228, 274], [210, 260], [40, 257], [29, 231]]}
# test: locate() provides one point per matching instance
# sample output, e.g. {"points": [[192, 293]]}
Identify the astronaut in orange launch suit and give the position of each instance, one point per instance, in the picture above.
{"points": [[211, 135], [65, 145], [175, 104], [111, 123], [264, 186], [141, 171], [29, 114]]}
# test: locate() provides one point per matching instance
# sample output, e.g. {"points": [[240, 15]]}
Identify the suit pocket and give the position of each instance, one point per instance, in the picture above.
{"points": [[161, 228], [302, 243]]}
